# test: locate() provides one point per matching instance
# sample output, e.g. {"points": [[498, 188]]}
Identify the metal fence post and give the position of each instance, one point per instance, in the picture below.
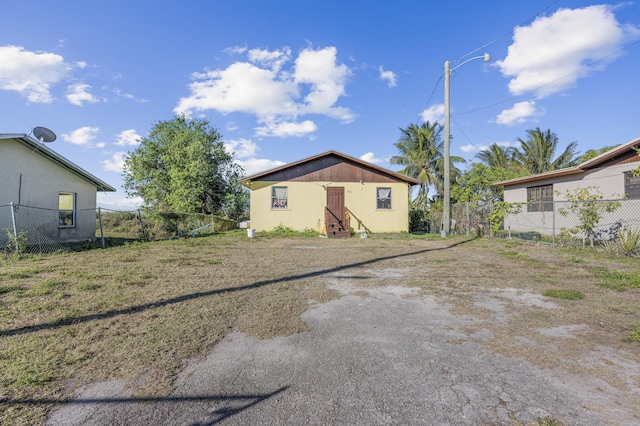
{"points": [[490, 211], [553, 225], [468, 224], [144, 233], [15, 226], [100, 220]]}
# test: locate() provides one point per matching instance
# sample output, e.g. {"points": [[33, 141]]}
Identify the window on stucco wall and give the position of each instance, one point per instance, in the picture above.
{"points": [[383, 198], [540, 198], [631, 185], [279, 197], [66, 210]]}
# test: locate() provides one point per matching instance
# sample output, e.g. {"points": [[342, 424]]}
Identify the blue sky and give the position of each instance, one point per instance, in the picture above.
{"points": [[283, 80]]}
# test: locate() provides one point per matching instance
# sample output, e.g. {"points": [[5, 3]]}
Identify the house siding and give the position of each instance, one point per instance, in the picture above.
{"points": [[609, 180], [307, 200], [39, 186]]}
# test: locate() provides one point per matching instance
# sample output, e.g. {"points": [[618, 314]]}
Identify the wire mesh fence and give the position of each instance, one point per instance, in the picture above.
{"points": [[466, 219], [25, 229], [578, 222]]}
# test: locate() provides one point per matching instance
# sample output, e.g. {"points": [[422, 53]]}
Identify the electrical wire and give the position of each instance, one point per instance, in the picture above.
{"points": [[552, 81]]}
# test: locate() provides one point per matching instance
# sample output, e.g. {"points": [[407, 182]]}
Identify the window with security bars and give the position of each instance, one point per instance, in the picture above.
{"points": [[279, 197], [383, 198], [540, 198], [66, 210], [631, 185]]}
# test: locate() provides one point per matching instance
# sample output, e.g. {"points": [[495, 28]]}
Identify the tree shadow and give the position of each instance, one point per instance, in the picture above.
{"points": [[237, 403], [174, 300]]}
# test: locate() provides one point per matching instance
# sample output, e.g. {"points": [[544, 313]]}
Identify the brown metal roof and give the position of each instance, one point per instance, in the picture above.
{"points": [[363, 164], [580, 168]]}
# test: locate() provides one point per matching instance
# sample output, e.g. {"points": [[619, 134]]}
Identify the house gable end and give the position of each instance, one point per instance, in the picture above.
{"points": [[625, 157], [328, 169]]}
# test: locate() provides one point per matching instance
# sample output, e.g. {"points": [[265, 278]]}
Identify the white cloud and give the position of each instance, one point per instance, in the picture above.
{"points": [[433, 113], [115, 163], [370, 158], [277, 97], [235, 50], [252, 166], [122, 94], [81, 136], [111, 201], [273, 59], [128, 138], [327, 79], [242, 87], [547, 56], [78, 93], [31, 73], [287, 129], [241, 148], [470, 148], [520, 112], [388, 76]]}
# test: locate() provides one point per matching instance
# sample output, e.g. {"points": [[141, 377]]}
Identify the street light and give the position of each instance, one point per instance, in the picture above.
{"points": [[446, 214]]}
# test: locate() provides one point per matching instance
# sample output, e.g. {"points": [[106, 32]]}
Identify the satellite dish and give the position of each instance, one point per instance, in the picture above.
{"points": [[43, 134]]}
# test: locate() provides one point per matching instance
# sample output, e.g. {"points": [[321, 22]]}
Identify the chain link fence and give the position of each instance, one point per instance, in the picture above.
{"points": [[25, 229], [466, 219], [566, 223], [579, 222]]}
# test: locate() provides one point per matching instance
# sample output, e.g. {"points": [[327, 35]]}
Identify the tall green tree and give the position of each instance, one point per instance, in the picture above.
{"points": [[536, 152], [182, 166], [497, 156], [476, 184], [593, 153], [420, 150]]}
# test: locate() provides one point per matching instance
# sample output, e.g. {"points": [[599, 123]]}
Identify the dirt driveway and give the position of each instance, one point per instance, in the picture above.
{"points": [[439, 333]]}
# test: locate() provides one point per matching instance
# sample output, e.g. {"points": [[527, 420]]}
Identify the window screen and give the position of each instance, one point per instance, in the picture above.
{"points": [[279, 197], [383, 198], [540, 198]]}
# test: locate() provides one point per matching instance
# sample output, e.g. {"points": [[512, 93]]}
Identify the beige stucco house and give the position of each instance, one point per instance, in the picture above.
{"points": [[330, 192], [545, 193], [53, 197]]}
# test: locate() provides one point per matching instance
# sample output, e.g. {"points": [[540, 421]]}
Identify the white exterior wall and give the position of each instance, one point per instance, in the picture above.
{"points": [[609, 180], [42, 181]]}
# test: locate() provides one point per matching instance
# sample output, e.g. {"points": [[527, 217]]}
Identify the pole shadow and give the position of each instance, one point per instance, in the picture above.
{"points": [[175, 300], [245, 402]]}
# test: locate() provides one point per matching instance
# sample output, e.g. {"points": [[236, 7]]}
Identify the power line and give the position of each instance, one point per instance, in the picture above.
{"points": [[552, 81], [476, 50], [505, 34]]}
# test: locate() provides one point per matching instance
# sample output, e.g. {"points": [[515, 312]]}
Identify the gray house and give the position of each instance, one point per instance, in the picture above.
{"points": [[53, 198], [545, 193]]}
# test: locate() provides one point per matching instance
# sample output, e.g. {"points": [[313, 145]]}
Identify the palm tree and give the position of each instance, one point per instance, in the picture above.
{"points": [[537, 151], [496, 156], [420, 150]]}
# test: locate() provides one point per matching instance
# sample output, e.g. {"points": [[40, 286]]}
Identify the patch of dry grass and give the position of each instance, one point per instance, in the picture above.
{"points": [[140, 312]]}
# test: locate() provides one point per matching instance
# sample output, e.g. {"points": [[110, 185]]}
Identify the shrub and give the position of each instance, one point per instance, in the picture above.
{"points": [[564, 294]]}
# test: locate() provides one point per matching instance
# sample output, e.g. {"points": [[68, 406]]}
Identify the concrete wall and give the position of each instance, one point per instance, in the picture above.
{"points": [[42, 181], [307, 201], [609, 180]]}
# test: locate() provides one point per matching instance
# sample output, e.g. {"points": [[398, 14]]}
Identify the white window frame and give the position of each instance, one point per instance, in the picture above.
{"points": [[278, 201], [67, 215], [382, 200]]}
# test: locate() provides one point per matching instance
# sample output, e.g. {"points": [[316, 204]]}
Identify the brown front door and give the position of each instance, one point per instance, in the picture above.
{"points": [[335, 217]]}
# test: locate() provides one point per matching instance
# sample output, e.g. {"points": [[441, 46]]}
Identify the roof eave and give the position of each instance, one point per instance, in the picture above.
{"points": [[541, 176], [245, 181], [60, 160]]}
